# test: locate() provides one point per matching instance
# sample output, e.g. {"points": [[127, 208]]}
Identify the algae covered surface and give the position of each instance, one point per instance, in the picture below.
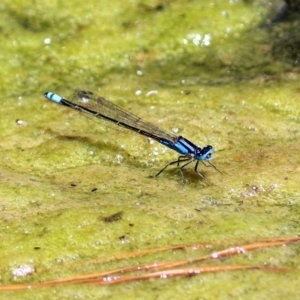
{"points": [[74, 191]]}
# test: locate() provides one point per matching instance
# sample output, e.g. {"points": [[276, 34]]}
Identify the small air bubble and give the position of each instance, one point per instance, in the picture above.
{"points": [[47, 41]]}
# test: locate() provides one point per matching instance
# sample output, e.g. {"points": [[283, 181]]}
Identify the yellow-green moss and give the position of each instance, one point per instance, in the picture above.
{"points": [[222, 78]]}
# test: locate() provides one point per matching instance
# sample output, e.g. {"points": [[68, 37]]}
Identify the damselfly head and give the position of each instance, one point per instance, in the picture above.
{"points": [[205, 153]]}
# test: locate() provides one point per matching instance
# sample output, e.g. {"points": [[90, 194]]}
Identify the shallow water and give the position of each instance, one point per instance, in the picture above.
{"points": [[211, 72]]}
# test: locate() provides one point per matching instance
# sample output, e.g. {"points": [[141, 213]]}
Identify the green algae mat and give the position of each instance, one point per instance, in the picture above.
{"points": [[78, 196]]}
